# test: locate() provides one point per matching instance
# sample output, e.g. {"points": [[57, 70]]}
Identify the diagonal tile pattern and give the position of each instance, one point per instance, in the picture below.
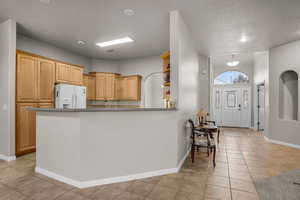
{"points": [[243, 156]]}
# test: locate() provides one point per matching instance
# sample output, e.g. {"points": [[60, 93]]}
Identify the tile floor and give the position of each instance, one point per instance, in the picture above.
{"points": [[242, 157]]}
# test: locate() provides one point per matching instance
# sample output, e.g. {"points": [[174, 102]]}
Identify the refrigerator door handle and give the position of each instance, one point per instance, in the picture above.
{"points": [[76, 106]]}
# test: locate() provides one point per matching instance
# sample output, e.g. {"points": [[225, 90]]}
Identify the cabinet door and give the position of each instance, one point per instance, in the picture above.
{"points": [[46, 80], [76, 76], [110, 87], [122, 90], [62, 73], [27, 77], [91, 88], [100, 86], [25, 129], [134, 88]]}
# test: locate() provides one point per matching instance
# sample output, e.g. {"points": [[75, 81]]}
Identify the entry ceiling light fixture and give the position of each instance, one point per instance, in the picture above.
{"points": [[128, 12], [233, 63], [243, 39], [115, 42], [81, 42]]}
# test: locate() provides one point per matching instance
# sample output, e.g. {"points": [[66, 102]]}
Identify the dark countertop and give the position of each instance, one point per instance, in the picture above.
{"points": [[102, 109]]}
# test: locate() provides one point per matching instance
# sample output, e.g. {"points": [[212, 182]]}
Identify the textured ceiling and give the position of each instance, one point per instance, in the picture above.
{"points": [[217, 25]]}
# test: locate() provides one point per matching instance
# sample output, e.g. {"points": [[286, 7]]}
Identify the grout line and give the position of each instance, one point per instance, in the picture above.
{"points": [[229, 177], [249, 173]]}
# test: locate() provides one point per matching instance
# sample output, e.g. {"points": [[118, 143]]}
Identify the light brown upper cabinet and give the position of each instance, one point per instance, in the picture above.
{"points": [[46, 80], [91, 95], [129, 88], [121, 88], [35, 78], [62, 73], [110, 89], [89, 81], [134, 88], [100, 86], [69, 74], [27, 78], [105, 85], [76, 75]]}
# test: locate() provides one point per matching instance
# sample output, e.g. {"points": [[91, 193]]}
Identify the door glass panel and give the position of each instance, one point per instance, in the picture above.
{"points": [[245, 99], [217, 100], [231, 99]]}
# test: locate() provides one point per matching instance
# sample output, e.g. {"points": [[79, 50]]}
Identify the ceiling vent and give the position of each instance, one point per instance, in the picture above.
{"points": [[45, 1]]}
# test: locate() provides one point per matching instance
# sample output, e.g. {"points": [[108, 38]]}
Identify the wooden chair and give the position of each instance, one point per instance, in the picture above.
{"points": [[203, 119], [201, 140]]}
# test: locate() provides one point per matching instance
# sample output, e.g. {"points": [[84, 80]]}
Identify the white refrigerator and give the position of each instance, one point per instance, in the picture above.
{"points": [[70, 96]]}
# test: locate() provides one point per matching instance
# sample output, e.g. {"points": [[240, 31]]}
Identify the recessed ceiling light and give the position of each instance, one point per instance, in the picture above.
{"points": [[243, 39], [81, 42], [115, 42], [45, 1], [128, 12]]}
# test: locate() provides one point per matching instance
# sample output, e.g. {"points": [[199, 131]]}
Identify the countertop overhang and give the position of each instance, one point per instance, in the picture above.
{"points": [[91, 109]]}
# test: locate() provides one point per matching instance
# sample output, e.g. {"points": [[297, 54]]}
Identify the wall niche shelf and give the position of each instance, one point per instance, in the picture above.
{"points": [[288, 96], [167, 75]]}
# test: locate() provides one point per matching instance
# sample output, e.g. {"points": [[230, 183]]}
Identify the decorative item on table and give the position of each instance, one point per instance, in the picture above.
{"points": [[202, 115]]}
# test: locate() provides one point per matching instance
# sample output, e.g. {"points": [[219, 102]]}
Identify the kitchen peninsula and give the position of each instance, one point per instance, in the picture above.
{"points": [[95, 146]]}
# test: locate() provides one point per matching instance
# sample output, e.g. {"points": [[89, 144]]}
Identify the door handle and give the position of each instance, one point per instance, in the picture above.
{"points": [[239, 107]]}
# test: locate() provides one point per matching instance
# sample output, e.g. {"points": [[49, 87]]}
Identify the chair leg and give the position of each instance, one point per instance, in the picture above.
{"points": [[193, 153], [214, 157], [218, 136]]}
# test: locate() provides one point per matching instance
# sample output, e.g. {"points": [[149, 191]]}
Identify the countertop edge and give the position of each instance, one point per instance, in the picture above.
{"points": [[100, 109]]}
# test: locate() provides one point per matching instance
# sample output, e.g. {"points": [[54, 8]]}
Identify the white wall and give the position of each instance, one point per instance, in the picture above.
{"points": [[152, 86], [184, 78], [283, 58], [261, 75], [98, 65], [44, 49], [204, 83], [7, 87]]}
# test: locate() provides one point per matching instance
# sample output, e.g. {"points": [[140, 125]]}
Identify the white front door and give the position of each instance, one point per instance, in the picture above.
{"points": [[232, 106]]}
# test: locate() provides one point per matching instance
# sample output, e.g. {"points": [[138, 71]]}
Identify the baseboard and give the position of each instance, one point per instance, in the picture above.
{"points": [[86, 184], [183, 159], [7, 158], [282, 143]]}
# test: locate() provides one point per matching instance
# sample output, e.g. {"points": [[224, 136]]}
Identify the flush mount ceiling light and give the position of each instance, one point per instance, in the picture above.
{"points": [[115, 42], [128, 12], [233, 63], [81, 42], [243, 39]]}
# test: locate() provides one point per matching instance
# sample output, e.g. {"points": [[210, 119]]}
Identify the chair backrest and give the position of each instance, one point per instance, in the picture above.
{"points": [[202, 116], [191, 123]]}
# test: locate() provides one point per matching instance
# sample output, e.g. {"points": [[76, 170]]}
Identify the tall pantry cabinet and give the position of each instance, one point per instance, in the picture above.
{"points": [[35, 88]]}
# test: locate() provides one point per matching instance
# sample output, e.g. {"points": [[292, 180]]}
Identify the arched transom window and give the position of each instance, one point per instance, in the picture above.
{"points": [[231, 77]]}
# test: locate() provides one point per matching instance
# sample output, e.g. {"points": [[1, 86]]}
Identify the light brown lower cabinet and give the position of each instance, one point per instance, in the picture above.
{"points": [[26, 127]]}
